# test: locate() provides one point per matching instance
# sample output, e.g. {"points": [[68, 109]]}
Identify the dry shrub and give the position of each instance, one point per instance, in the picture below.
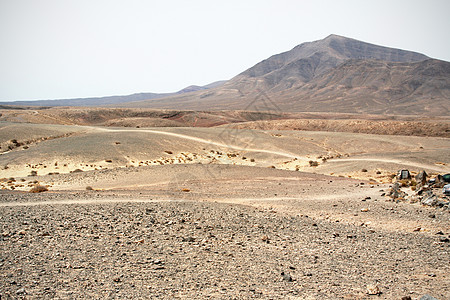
{"points": [[313, 163], [38, 189], [404, 183]]}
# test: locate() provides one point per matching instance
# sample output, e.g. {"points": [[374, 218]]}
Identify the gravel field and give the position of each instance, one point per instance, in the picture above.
{"points": [[114, 246]]}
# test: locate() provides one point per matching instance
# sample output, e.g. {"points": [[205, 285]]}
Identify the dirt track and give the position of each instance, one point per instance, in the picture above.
{"points": [[217, 213]]}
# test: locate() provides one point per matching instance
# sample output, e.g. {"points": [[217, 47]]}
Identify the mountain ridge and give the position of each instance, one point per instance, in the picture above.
{"points": [[287, 79], [335, 74], [111, 100]]}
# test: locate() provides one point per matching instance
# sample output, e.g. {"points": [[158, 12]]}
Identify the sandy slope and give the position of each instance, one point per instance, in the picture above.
{"points": [[345, 154], [216, 213]]}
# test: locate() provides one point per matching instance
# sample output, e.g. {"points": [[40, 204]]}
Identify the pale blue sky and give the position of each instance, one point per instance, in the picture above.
{"points": [[55, 49]]}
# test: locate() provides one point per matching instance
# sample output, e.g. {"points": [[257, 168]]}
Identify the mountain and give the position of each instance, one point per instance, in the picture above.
{"points": [[336, 74], [195, 88], [111, 100]]}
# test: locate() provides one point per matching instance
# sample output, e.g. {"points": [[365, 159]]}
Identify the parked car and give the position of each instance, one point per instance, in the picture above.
{"points": [[446, 177], [446, 189]]}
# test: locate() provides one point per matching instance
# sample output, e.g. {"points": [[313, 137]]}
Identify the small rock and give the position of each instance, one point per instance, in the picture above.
{"points": [[444, 240], [431, 200], [427, 297], [365, 209], [286, 277], [406, 298], [417, 229], [21, 291], [189, 239], [373, 290]]}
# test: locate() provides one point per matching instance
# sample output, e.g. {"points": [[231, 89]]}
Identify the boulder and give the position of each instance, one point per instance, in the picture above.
{"points": [[395, 192], [421, 178]]}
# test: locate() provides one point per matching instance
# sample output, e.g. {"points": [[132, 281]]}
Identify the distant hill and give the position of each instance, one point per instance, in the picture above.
{"points": [[336, 74], [110, 100]]}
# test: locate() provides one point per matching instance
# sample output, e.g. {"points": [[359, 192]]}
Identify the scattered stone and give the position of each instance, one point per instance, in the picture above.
{"points": [[373, 290], [421, 178], [189, 239], [395, 192], [21, 291], [430, 200], [286, 277], [365, 209], [427, 297]]}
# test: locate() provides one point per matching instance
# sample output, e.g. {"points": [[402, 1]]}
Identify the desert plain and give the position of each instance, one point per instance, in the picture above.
{"points": [[224, 205]]}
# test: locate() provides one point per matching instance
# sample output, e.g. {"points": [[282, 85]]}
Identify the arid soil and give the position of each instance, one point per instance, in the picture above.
{"points": [[216, 213], [234, 240], [273, 119]]}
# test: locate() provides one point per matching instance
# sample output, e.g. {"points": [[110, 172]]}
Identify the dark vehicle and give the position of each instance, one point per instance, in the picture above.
{"points": [[446, 177]]}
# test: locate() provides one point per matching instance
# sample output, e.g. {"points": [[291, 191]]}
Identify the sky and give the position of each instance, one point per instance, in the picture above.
{"points": [[59, 49]]}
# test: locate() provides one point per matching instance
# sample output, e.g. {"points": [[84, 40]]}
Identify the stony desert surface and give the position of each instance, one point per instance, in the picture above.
{"points": [[221, 212]]}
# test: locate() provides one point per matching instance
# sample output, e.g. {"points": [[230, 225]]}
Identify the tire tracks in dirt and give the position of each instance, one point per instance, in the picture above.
{"points": [[200, 140]]}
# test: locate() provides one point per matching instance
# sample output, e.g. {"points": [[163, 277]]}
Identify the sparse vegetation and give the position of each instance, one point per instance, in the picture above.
{"points": [[313, 163], [38, 189]]}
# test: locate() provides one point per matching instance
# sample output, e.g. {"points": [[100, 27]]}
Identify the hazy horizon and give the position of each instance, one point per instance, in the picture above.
{"points": [[79, 49]]}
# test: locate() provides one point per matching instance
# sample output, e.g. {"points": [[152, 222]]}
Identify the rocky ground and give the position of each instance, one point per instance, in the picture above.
{"points": [[137, 244], [199, 213]]}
